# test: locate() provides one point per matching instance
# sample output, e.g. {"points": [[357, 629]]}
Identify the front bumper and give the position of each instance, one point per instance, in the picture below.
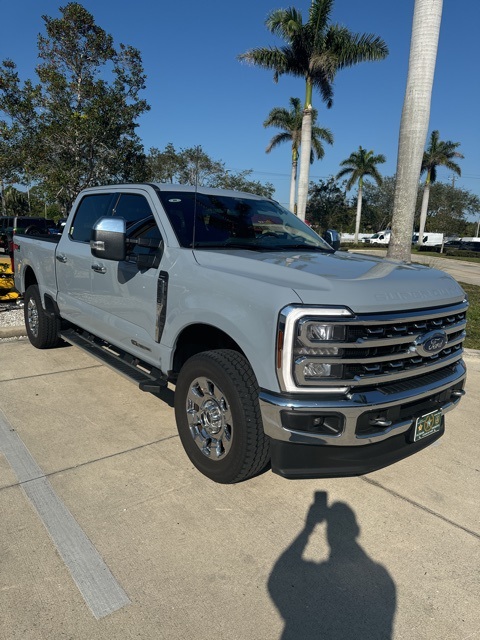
{"points": [[375, 430]]}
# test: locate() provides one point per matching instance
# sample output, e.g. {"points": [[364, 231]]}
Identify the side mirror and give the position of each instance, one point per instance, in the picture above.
{"points": [[333, 238], [109, 239]]}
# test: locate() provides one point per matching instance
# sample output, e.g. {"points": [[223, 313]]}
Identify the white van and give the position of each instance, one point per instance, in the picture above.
{"points": [[382, 237], [429, 239]]}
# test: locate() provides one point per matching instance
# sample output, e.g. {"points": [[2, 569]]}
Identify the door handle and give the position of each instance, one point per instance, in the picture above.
{"points": [[99, 268], [61, 257]]}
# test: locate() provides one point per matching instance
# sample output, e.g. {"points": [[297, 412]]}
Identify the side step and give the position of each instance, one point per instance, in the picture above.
{"points": [[147, 377]]}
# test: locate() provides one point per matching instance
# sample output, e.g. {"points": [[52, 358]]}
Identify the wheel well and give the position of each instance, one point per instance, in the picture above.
{"points": [[197, 338], [29, 278]]}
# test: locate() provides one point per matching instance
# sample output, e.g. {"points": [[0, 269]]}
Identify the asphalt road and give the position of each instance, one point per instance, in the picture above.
{"points": [[107, 532]]}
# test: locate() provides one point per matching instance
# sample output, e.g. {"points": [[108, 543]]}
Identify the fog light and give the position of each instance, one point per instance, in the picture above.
{"points": [[329, 424]]}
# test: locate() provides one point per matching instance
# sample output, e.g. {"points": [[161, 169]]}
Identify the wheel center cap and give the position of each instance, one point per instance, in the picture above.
{"points": [[211, 417]]}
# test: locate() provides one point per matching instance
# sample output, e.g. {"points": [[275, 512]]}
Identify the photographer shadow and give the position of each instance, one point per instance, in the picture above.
{"points": [[346, 597]]}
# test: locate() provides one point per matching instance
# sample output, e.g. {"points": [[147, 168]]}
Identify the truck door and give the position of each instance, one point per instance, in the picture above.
{"points": [[124, 295], [74, 259]]}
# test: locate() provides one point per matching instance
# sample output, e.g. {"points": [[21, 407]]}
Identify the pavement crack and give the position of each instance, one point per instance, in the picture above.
{"points": [[421, 506], [87, 463], [53, 373]]}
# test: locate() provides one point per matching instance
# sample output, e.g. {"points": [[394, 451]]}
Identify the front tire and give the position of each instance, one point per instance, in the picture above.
{"points": [[42, 328], [218, 416]]}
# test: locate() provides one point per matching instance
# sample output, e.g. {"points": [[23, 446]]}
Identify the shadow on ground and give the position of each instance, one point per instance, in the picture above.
{"points": [[346, 597]]}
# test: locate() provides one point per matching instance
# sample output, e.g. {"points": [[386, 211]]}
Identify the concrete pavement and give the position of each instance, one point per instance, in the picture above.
{"points": [[394, 554]]}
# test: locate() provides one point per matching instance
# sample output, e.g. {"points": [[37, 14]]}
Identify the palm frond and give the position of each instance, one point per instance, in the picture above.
{"points": [[359, 164], [277, 140], [285, 23], [266, 57], [440, 153]]}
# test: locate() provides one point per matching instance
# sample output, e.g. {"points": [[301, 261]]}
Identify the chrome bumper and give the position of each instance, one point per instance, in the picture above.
{"points": [[356, 403]]}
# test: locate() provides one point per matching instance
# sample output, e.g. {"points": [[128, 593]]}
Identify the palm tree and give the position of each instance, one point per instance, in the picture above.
{"points": [[438, 153], [427, 16], [359, 165], [314, 50], [290, 121]]}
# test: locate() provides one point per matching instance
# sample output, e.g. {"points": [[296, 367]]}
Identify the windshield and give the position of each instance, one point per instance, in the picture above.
{"points": [[231, 222]]}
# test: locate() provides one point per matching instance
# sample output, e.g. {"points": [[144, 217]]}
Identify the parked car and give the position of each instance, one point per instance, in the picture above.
{"points": [[380, 238], [22, 225], [452, 244], [469, 245], [429, 239]]}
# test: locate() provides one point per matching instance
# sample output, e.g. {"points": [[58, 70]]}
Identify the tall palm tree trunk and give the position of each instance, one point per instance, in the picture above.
{"points": [[305, 153], [414, 123], [293, 180], [423, 213], [359, 210]]}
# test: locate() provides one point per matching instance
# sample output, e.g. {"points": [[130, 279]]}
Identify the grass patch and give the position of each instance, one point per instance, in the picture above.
{"points": [[448, 256], [473, 316]]}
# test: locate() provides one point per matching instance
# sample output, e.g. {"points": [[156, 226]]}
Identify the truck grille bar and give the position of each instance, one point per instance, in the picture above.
{"points": [[380, 349]]}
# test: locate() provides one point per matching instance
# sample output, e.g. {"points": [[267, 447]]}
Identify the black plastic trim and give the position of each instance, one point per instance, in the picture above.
{"points": [[301, 461], [162, 295]]}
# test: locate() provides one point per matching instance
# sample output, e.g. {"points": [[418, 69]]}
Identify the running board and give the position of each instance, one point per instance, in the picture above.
{"points": [[148, 378]]}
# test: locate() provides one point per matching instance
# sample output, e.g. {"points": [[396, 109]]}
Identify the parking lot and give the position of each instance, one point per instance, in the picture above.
{"points": [[107, 531]]}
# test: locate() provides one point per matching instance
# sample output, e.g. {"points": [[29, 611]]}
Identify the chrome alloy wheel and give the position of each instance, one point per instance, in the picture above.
{"points": [[209, 418], [32, 316]]}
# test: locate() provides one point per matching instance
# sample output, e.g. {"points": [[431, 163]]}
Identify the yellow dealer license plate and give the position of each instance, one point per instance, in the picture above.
{"points": [[427, 425]]}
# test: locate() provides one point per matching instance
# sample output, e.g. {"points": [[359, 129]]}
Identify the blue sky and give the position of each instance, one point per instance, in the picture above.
{"points": [[201, 95]]}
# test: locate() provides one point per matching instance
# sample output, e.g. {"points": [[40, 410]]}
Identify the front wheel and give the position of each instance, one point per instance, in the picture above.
{"points": [[42, 328], [218, 416]]}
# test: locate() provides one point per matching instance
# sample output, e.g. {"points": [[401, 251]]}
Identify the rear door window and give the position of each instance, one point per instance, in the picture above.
{"points": [[90, 209]]}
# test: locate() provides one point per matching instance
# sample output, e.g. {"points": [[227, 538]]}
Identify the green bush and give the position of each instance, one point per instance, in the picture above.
{"points": [[461, 253], [426, 248]]}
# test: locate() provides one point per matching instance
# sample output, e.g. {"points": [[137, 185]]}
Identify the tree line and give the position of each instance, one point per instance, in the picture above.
{"points": [[76, 127], [330, 206]]}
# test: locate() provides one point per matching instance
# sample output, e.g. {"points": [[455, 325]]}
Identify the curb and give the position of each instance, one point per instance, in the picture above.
{"points": [[13, 332]]}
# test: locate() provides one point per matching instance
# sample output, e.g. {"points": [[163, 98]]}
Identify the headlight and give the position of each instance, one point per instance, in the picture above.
{"points": [[310, 347], [316, 332]]}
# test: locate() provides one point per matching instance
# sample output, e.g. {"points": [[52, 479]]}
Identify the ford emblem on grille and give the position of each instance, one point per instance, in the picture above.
{"points": [[431, 343]]}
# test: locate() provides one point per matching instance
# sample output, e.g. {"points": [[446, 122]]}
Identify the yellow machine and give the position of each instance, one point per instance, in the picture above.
{"points": [[7, 285]]}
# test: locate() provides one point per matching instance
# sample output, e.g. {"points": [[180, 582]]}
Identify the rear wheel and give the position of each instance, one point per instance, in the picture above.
{"points": [[42, 328], [218, 416]]}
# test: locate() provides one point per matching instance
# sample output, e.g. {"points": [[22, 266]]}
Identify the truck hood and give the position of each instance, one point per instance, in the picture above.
{"points": [[364, 283]]}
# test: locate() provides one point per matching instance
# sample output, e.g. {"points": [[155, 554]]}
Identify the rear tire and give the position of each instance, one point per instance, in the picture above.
{"points": [[42, 328], [218, 416]]}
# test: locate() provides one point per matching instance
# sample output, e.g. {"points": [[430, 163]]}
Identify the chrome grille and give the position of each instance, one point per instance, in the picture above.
{"points": [[379, 349]]}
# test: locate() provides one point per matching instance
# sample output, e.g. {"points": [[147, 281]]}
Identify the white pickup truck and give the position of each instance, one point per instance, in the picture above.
{"points": [[282, 350]]}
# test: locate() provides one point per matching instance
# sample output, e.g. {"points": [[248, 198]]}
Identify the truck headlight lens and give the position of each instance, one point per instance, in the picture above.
{"points": [[314, 370], [316, 332], [311, 344]]}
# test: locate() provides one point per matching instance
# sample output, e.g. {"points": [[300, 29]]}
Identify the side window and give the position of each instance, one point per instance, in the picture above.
{"points": [[141, 225], [90, 209], [133, 208], [147, 231]]}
